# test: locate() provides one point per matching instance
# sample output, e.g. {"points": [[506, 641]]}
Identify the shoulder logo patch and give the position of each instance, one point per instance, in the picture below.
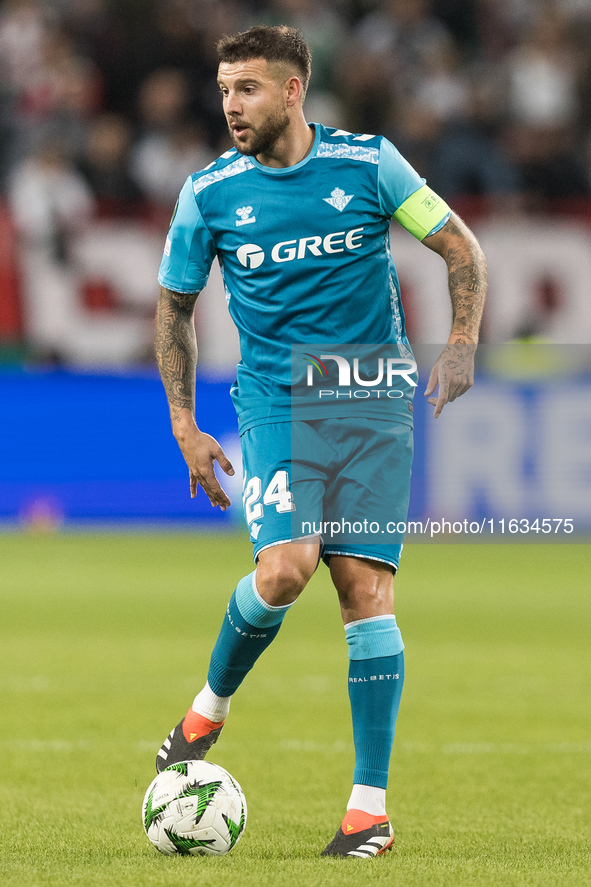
{"points": [[338, 199], [245, 216]]}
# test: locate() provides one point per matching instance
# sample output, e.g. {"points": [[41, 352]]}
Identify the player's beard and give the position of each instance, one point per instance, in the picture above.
{"points": [[265, 136]]}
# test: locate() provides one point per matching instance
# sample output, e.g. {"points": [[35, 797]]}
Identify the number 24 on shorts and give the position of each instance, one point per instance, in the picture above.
{"points": [[277, 494]]}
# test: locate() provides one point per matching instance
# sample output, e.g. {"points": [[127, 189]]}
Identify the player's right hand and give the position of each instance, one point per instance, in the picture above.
{"points": [[201, 451]]}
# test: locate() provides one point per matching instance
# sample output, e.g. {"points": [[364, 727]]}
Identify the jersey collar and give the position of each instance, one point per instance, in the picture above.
{"points": [[285, 170]]}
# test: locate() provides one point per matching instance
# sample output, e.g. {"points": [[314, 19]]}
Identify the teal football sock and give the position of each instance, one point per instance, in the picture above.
{"points": [[249, 626], [376, 676]]}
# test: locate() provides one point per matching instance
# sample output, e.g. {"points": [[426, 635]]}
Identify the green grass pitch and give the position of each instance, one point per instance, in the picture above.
{"points": [[104, 639]]}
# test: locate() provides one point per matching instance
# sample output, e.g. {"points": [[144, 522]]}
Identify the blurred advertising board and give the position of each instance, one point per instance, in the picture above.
{"points": [[510, 460], [97, 448]]}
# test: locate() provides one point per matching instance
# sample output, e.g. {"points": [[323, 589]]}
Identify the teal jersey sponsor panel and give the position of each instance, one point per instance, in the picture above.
{"points": [[305, 256]]}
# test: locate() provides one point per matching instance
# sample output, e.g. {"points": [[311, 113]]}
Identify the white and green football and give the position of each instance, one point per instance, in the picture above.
{"points": [[194, 808]]}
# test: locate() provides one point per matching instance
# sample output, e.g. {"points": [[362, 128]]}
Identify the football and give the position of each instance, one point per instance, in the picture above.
{"points": [[194, 808]]}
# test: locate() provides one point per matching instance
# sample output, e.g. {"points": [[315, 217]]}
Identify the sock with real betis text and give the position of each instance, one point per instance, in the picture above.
{"points": [[249, 626], [376, 676]]}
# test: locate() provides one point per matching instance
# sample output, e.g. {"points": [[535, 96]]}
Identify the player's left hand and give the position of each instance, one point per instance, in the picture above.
{"points": [[453, 373]]}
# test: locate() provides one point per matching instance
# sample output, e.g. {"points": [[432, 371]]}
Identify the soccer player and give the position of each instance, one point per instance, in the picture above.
{"points": [[298, 215]]}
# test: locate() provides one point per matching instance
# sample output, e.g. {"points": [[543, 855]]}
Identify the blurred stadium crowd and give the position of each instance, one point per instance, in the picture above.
{"points": [[484, 96], [107, 105]]}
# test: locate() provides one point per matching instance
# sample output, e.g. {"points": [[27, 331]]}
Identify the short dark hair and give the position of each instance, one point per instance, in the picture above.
{"points": [[278, 43]]}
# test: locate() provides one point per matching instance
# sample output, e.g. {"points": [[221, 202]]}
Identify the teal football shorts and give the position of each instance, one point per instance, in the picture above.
{"points": [[344, 481]]}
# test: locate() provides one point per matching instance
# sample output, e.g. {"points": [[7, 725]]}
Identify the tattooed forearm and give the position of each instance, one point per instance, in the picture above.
{"points": [[176, 349], [467, 283], [466, 277]]}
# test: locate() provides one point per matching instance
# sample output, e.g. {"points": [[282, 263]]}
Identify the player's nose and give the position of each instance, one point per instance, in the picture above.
{"points": [[232, 105]]}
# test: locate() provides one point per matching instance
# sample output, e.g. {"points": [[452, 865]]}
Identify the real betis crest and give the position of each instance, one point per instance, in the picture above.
{"points": [[338, 199]]}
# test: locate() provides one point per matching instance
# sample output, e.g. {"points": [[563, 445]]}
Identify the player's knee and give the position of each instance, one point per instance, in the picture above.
{"points": [[362, 585], [281, 578]]}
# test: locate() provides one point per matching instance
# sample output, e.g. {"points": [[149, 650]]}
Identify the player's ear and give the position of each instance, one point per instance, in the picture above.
{"points": [[293, 88]]}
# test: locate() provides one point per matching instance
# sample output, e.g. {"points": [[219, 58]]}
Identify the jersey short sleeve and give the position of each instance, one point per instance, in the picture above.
{"points": [[189, 249], [405, 196]]}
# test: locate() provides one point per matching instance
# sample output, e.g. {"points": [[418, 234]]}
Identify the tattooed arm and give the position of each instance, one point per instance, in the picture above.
{"points": [[466, 266], [176, 353]]}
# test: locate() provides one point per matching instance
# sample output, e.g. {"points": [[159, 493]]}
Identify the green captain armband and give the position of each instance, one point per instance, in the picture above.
{"points": [[421, 212]]}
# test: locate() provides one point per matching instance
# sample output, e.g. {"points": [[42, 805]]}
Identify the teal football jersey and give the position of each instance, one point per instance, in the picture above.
{"points": [[305, 257]]}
